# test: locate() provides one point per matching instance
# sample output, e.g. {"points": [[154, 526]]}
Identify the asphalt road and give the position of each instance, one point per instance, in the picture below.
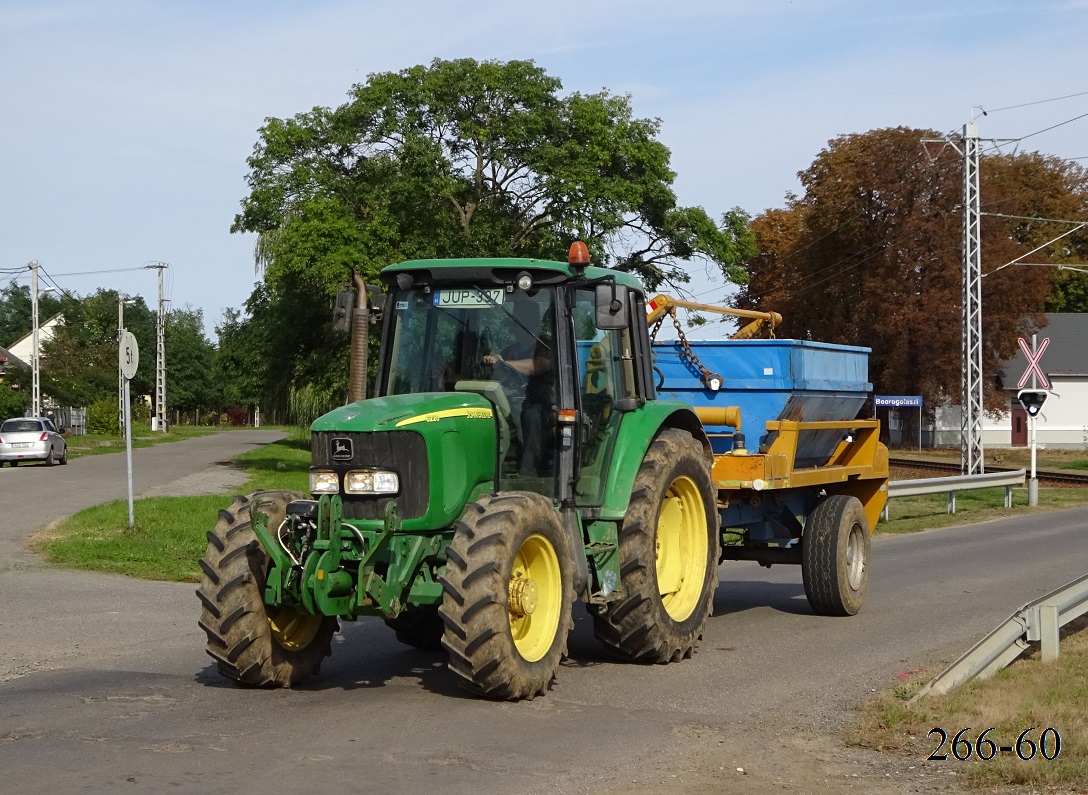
{"points": [[108, 688]]}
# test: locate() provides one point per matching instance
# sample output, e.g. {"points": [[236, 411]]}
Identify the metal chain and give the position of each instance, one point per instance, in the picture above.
{"points": [[689, 354]]}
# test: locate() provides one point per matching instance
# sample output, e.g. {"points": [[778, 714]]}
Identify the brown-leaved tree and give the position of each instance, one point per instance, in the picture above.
{"points": [[871, 254]]}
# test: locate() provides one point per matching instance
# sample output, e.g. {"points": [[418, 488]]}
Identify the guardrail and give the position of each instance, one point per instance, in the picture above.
{"points": [[914, 488], [1039, 621]]}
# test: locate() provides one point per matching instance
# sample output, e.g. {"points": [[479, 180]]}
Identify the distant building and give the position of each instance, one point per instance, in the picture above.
{"points": [[8, 359], [23, 348], [1063, 421]]}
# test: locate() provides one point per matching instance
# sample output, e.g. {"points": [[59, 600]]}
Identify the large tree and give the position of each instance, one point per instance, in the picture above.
{"points": [[79, 365], [190, 359], [871, 254], [463, 158]]}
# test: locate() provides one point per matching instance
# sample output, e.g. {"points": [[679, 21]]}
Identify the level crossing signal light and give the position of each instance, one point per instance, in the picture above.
{"points": [[1032, 400]]}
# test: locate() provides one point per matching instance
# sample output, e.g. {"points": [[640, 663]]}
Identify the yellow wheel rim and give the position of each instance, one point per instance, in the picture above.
{"points": [[291, 629], [535, 597], [682, 547]]}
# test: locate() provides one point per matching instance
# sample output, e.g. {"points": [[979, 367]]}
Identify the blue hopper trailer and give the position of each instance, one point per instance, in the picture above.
{"points": [[800, 478]]}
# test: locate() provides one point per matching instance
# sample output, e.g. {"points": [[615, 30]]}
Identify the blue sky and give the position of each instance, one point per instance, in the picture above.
{"points": [[125, 125]]}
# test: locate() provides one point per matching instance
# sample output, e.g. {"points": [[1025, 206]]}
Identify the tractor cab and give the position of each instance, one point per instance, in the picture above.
{"points": [[526, 336]]}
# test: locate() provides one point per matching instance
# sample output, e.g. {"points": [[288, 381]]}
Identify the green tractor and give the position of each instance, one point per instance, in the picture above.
{"points": [[513, 459]]}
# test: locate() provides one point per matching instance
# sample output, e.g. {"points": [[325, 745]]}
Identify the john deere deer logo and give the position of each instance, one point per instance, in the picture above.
{"points": [[341, 449]]}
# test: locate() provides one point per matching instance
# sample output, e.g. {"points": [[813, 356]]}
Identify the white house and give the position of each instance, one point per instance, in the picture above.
{"points": [[23, 348], [1063, 420]]}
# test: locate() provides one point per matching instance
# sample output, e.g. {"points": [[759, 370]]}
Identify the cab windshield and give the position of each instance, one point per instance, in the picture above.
{"points": [[486, 340]]}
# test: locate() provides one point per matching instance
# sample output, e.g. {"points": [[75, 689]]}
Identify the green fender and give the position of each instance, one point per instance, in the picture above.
{"points": [[637, 431]]}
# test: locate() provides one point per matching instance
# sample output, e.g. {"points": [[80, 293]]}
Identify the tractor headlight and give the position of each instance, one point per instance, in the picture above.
{"points": [[323, 481], [369, 481]]}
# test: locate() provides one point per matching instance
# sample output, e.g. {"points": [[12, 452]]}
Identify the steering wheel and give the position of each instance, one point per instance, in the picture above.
{"points": [[510, 379]]}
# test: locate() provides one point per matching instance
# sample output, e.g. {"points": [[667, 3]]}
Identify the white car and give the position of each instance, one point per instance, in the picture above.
{"points": [[31, 439]]}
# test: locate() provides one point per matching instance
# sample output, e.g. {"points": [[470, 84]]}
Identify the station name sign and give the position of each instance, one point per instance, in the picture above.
{"points": [[898, 401]]}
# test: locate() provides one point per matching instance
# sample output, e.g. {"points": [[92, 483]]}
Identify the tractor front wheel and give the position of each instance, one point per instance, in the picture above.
{"points": [[835, 551], [507, 596], [669, 548], [253, 643]]}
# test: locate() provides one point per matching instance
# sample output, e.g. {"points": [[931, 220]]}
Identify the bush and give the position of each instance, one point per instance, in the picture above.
{"points": [[140, 409], [102, 417], [238, 416], [13, 402]]}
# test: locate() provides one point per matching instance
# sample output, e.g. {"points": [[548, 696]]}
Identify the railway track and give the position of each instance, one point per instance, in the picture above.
{"points": [[1049, 477]]}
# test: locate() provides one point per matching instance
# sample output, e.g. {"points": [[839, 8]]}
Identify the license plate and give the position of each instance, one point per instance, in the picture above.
{"points": [[22, 444], [468, 299]]}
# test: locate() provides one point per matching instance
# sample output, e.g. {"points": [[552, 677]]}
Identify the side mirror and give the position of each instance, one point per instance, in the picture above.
{"points": [[341, 313], [377, 297], [610, 301]]}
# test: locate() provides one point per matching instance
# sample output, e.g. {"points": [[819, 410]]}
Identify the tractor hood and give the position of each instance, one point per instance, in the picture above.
{"points": [[405, 412], [441, 444]]}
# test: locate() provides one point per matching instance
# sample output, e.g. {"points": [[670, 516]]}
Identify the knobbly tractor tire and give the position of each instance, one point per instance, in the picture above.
{"points": [[836, 549], [507, 596], [252, 643], [669, 547], [420, 629]]}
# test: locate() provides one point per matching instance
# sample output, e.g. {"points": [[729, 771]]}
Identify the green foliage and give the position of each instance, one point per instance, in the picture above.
{"points": [[1069, 293], [102, 417], [80, 363], [457, 159], [307, 403], [467, 158], [16, 311], [13, 402], [190, 375]]}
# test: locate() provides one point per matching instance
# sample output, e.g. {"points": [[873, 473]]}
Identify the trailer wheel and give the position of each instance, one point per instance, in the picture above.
{"points": [[669, 548], [507, 596], [836, 547], [420, 629], [253, 643]]}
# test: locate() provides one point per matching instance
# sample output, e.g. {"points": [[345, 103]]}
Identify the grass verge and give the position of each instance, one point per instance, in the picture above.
{"points": [[1029, 694], [169, 533], [912, 514]]}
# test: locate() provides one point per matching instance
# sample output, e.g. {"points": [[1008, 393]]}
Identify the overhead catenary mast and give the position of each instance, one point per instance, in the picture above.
{"points": [[160, 354]]}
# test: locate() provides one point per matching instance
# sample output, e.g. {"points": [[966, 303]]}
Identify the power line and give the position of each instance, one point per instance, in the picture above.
{"points": [[92, 273], [1033, 218], [1054, 126], [1036, 102]]}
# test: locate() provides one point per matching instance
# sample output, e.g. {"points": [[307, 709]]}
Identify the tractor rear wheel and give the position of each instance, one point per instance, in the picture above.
{"points": [[835, 550], [507, 596], [253, 643], [669, 549]]}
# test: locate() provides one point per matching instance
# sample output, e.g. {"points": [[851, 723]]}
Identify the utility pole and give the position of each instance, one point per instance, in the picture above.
{"points": [[35, 378], [972, 459], [971, 448], [160, 355]]}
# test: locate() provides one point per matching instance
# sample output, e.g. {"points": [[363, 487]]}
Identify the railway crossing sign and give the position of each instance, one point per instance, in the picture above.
{"points": [[1033, 364], [1032, 400]]}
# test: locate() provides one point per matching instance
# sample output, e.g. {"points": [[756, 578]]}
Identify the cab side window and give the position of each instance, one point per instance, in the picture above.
{"points": [[605, 377]]}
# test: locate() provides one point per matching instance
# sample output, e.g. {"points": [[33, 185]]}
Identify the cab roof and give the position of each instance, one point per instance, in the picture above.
{"points": [[500, 270]]}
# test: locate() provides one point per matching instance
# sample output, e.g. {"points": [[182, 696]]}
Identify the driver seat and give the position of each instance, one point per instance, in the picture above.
{"points": [[492, 392]]}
